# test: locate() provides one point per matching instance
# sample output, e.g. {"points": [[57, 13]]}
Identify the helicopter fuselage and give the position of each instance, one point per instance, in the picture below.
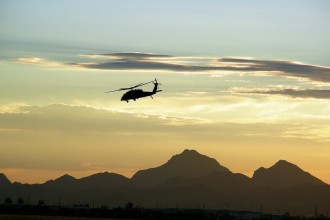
{"points": [[135, 94], [139, 93]]}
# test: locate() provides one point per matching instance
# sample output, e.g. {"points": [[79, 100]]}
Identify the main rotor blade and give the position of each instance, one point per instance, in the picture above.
{"points": [[141, 84], [118, 90], [138, 85]]}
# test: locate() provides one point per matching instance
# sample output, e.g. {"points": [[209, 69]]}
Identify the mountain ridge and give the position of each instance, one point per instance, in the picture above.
{"points": [[189, 163], [187, 178], [4, 181], [283, 174], [178, 157]]}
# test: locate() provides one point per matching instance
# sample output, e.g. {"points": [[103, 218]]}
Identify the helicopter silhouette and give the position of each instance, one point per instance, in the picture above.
{"points": [[135, 94]]}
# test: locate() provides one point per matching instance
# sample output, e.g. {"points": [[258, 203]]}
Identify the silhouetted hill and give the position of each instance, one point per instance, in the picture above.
{"points": [[214, 190], [88, 187], [63, 181], [65, 178], [4, 182], [105, 180], [228, 184], [187, 180], [283, 175], [183, 192], [189, 163]]}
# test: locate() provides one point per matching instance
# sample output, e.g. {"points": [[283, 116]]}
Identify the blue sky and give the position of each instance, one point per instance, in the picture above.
{"points": [[295, 30]]}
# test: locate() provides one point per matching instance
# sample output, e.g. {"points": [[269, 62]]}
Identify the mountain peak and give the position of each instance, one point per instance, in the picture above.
{"points": [[188, 155], [284, 163], [188, 151], [189, 163], [105, 178], [4, 181], [65, 177], [283, 174]]}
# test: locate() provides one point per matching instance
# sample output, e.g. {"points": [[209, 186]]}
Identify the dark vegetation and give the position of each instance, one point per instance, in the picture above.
{"points": [[129, 211]]}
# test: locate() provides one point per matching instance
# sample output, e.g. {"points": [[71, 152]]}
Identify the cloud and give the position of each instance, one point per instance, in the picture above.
{"points": [[39, 61], [142, 61], [295, 93], [54, 117], [201, 65], [41, 136], [283, 68], [79, 138], [128, 55], [73, 119]]}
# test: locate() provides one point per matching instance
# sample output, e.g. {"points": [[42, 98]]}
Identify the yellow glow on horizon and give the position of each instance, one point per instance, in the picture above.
{"points": [[240, 146]]}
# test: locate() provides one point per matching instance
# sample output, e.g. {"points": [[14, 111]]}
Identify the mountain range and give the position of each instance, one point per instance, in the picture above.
{"points": [[187, 180]]}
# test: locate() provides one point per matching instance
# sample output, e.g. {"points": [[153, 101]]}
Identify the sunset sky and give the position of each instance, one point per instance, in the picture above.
{"points": [[244, 82]]}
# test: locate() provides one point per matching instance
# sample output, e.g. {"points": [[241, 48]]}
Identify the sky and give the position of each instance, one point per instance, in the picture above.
{"points": [[244, 82]]}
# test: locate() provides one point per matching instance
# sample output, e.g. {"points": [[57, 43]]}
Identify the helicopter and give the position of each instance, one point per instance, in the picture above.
{"points": [[135, 94]]}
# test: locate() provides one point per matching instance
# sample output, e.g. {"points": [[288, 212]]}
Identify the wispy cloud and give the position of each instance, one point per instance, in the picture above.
{"points": [[143, 61], [295, 93], [85, 139], [39, 61], [283, 68], [202, 65], [96, 116], [81, 119], [128, 55]]}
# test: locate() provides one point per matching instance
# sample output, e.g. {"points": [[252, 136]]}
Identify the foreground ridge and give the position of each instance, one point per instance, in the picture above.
{"points": [[189, 180]]}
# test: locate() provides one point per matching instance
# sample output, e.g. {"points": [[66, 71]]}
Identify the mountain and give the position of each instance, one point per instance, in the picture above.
{"points": [[283, 175], [4, 182], [64, 180], [189, 163], [104, 180], [187, 180]]}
